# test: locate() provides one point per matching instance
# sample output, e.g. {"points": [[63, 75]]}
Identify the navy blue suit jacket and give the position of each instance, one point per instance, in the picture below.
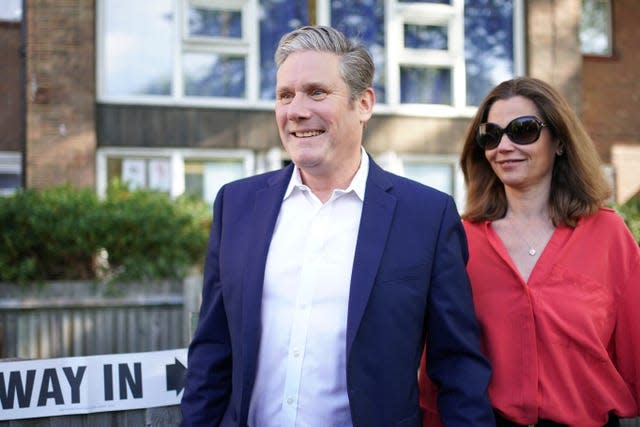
{"points": [[408, 288]]}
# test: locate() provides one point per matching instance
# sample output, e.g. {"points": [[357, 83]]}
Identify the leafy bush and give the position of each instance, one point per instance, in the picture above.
{"points": [[630, 211], [65, 233]]}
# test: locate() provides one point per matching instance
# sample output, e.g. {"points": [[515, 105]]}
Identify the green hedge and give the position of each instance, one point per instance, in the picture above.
{"points": [[65, 233], [630, 211]]}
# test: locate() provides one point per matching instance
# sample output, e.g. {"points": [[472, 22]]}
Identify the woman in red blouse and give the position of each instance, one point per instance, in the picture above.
{"points": [[555, 274]]}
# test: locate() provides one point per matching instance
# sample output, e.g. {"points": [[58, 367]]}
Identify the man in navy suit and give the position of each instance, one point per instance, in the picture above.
{"points": [[324, 281]]}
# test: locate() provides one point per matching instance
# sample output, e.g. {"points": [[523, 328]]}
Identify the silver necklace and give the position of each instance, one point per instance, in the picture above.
{"points": [[532, 250]]}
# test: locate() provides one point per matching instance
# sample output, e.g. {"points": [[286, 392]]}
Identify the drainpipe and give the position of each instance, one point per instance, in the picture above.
{"points": [[23, 90]]}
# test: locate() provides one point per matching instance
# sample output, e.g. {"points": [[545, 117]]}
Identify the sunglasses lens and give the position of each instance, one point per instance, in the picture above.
{"points": [[523, 130], [489, 135]]}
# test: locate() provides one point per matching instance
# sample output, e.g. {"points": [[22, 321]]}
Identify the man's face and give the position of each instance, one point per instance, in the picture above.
{"points": [[320, 126]]}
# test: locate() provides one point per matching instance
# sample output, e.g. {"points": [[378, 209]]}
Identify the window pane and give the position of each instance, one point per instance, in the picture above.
{"points": [[595, 27], [435, 175], [425, 1], [364, 21], [139, 172], [11, 10], [488, 46], [277, 17], [217, 173], [137, 57], [215, 23], [208, 74], [9, 182], [422, 85], [160, 175], [426, 37], [134, 173]]}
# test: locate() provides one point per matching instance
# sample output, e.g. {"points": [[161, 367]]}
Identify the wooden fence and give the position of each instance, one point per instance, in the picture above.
{"points": [[153, 417], [65, 319], [68, 319]]}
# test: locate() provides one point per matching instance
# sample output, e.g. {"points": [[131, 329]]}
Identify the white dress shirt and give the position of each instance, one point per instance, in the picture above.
{"points": [[301, 379]]}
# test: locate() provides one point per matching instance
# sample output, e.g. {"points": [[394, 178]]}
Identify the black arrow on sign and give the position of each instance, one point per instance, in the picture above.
{"points": [[176, 376]]}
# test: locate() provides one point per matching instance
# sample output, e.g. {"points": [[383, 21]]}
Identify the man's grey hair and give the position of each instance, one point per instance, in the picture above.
{"points": [[357, 66]]}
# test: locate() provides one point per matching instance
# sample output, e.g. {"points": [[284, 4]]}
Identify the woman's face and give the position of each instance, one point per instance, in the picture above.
{"points": [[521, 167]]}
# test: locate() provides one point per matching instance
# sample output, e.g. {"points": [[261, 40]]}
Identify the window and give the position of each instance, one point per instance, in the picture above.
{"points": [[176, 171], [440, 55], [11, 10], [595, 28], [10, 172], [494, 31], [438, 171], [136, 48], [215, 49]]}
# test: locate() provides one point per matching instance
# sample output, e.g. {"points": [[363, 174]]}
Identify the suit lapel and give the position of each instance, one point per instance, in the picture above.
{"points": [[377, 214]]}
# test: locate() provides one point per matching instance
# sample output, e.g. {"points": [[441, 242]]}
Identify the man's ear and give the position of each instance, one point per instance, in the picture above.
{"points": [[366, 101]]}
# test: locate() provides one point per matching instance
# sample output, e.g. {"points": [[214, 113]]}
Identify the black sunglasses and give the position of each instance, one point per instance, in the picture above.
{"points": [[521, 130]]}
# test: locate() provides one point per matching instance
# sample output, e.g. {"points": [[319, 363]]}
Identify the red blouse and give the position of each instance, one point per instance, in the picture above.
{"points": [[566, 345]]}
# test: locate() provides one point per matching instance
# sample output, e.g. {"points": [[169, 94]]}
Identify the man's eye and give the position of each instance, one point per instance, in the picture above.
{"points": [[318, 93], [285, 97]]}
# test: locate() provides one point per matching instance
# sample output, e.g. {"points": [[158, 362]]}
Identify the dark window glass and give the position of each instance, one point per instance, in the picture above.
{"points": [[423, 85], [489, 59], [364, 21], [425, 1], [208, 74], [276, 18], [10, 180], [426, 37], [215, 23]]}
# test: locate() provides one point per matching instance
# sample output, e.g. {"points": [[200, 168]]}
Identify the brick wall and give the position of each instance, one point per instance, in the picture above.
{"points": [[611, 98], [60, 80], [553, 49]]}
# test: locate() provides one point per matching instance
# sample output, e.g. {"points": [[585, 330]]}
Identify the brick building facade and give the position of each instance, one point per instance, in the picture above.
{"points": [[65, 122], [611, 99]]}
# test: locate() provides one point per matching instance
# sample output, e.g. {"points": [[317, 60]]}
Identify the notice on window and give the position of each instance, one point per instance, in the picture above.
{"points": [[159, 174], [134, 173]]}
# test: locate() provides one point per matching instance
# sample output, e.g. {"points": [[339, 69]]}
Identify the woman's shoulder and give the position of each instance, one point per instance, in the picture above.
{"points": [[474, 225], [607, 223], [603, 217]]}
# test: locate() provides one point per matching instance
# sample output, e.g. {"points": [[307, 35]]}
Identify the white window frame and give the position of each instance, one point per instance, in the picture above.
{"points": [[176, 157], [449, 16], [245, 47], [396, 55]]}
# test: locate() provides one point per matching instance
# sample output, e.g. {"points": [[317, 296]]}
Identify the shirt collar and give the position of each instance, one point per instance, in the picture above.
{"points": [[358, 183]]}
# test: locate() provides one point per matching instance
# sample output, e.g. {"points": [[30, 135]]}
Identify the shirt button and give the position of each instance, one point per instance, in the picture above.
{"points": [[290, 400], [296, 353]]}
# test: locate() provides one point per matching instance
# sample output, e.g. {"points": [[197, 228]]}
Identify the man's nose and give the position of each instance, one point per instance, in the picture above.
{"points": [[298, 107]]}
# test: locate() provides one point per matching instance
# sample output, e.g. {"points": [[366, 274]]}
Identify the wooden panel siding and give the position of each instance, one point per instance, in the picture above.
{"points": [[182, 127]]}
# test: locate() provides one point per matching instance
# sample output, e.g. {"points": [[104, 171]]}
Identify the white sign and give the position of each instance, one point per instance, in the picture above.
{"points": [[134, 173], [82, 385], [159, 174]]}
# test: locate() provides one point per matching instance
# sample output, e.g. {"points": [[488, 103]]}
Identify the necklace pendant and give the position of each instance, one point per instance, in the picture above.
{"points": [[532, 251]]}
